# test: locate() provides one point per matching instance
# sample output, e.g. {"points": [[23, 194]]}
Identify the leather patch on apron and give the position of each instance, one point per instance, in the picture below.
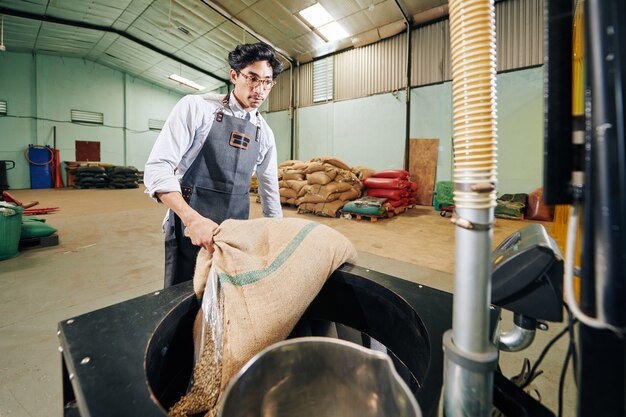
{"points": [[239, 140]]}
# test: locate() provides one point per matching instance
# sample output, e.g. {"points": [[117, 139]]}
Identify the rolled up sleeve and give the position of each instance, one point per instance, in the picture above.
{"points": [[174, 140]]}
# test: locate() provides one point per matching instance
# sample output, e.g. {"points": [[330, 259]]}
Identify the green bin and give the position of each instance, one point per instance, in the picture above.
{"points": [[10, 230]]}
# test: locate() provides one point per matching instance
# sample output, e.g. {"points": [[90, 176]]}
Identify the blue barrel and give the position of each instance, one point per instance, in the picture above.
{"points": [[40, 161]]}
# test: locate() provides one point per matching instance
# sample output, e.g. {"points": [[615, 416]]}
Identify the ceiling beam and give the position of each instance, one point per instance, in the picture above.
{"points": [[84, 25], [405, 12], [218, 9]]}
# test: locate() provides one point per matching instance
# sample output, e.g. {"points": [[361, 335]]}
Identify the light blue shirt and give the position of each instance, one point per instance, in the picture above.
{"points": [[181, 140]]}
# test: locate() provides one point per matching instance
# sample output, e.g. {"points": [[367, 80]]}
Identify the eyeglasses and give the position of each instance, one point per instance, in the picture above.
{"points": [[253, 81]]}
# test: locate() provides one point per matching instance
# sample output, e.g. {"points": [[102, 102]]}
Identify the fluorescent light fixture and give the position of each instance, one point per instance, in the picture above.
{"points": [[186, 82], [316, 15], [333, 31]]}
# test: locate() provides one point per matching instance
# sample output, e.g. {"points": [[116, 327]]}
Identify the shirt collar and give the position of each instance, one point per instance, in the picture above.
{"points": [[238, 111]]}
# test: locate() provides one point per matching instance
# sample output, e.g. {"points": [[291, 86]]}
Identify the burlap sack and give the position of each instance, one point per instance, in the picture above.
{"points": [[315, 167], [286, 200], [295, 184], [351, 194], [329, 209], [288, 163], [321, 177], [287, 192], [292, 174], [300, 166], [347, 176], [337, 187], [269, 271], [332, 161]]}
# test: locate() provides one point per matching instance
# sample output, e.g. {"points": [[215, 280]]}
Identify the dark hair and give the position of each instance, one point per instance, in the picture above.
{"points": [[246, 54]]}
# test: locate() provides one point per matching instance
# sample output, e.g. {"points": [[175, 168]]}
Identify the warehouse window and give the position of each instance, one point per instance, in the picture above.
{"points": [[3, 108], [323, 80], [155, 124], [82, 116]]}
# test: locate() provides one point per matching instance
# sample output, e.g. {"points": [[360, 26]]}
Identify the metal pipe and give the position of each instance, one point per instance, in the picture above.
{"points": [[84, 25], [292, 112], [408, 19], [470, 356], [519, 337]]}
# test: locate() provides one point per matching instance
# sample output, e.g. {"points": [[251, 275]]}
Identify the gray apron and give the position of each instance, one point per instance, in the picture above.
{"points": [[216, 185]]}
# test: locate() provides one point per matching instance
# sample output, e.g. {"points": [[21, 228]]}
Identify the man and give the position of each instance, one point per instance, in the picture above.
{"points": [[202, 162]]}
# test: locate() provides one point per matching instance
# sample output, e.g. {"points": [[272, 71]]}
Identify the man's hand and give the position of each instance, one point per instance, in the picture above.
{"points": [[198, 228]]}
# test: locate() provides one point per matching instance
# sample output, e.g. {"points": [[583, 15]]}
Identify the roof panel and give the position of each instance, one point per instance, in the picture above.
{"points": [[30, 6], [416, 6], [61, 38], [20, 33], [96, 12], [102, 45], [131, 13]]}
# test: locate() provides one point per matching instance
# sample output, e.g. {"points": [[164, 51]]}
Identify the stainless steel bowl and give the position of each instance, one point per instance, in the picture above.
{"points": [[321, 377]]}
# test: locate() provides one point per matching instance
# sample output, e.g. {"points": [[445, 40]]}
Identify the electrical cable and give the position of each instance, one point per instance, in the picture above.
{"points": [[562, 380], [572, 343], [542, 355], [78, 123], [572, 228]]}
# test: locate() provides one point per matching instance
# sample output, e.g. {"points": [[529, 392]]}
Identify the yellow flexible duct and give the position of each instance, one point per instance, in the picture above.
{"points": [[472, 37]]}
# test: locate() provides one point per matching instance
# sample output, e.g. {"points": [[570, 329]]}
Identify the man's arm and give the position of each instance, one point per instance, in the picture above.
{"points": [[198, 228], [267, 174]]}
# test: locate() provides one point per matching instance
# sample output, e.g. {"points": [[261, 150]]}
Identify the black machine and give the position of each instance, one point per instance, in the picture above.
{"points": [[114, 366], [4, 167], [527, 275], [585, 166]]}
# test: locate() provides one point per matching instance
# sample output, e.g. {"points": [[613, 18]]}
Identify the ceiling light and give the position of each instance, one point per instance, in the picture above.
{"points": [[186, 82], [316, 15], [333, 31]]}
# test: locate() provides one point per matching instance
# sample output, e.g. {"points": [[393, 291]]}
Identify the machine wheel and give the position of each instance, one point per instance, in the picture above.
{"points": [[442, 213]]}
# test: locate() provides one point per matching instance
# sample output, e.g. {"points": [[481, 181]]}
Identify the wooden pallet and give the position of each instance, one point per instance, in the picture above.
{"points": [[374, 218], [39, 242]]}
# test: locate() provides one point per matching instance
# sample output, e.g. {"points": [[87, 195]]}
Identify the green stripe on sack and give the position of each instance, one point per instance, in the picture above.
{"points": [[253, 276]]}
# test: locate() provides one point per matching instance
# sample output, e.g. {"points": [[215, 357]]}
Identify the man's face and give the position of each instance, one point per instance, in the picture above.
{"points": [[251, 96]]}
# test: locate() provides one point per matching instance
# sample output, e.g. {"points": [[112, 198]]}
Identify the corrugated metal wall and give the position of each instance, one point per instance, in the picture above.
{"points": [[519, 33], [381, 67], [372, 69], [305, 85], [279, 96], [430, 54]]}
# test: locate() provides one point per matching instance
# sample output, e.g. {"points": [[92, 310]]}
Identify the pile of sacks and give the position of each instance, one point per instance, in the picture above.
{"points": [[123, 177], [106, 177], [321, 186], [91, 177], [394, 185]]}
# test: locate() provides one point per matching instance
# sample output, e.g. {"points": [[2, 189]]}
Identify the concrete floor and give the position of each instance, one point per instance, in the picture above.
{"points": [[111, 250]]}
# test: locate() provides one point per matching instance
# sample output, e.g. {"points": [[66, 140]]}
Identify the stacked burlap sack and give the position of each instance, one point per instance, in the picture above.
{"points": [[394, 185], [261, 278], [91, 177], [321, 185], [123, 177]]}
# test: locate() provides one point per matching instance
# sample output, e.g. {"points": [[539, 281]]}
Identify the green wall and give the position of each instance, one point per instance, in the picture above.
{"points": [[370, 131], [43, 89], [281, 126]]}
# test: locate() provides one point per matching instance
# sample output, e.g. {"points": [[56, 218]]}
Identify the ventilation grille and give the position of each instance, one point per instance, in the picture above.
{"points": [[82, 116], [155, 124], [3, 108], [323, 80]]}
